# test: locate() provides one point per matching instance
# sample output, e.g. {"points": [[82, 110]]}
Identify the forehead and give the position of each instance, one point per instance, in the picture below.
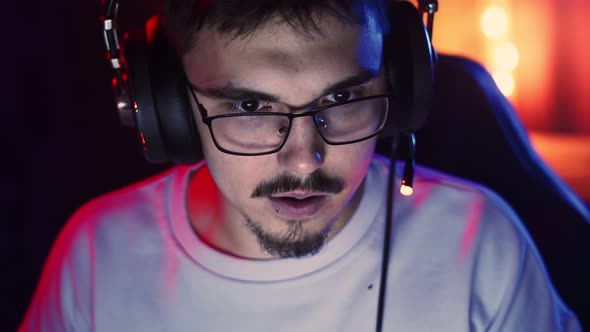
{"points": [[279, 59]]}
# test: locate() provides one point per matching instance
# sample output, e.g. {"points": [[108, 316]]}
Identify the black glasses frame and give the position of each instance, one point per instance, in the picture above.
{"points": [[209, 119]]}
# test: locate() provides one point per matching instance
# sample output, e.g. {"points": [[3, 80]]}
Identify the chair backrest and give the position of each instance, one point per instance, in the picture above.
{"points": [[473, 132]]}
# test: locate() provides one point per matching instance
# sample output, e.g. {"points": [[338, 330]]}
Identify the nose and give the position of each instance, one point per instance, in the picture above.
{"points": [[304, 150]]}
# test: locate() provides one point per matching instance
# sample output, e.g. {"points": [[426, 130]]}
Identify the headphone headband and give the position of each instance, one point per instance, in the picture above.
{"points": [[118, 63]]}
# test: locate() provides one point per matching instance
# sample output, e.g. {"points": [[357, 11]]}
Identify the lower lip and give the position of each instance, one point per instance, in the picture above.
{"points": [[297, 209]]}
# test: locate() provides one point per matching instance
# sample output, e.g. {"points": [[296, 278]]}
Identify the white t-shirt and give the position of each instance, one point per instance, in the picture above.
{"points": [[460, 261]]}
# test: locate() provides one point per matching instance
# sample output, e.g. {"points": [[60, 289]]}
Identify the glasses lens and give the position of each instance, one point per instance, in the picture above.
{"points": [[250, 134], [352, 121], [264, 133]]}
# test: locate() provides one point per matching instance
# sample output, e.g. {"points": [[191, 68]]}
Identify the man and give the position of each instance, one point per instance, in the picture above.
{"points": [[281, 227]]}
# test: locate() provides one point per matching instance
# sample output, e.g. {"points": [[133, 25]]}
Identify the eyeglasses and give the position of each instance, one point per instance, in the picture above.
{"points": [[261, 132]]}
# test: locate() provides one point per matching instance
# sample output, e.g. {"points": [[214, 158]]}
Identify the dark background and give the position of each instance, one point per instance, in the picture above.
{"points": [[61, 139]]}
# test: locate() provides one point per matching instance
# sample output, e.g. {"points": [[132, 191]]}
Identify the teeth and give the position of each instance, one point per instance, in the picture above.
{"points": [[296, 198]]}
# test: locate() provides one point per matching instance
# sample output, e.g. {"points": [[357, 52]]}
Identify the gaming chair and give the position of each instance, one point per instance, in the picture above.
{"points": [[473, 132]]}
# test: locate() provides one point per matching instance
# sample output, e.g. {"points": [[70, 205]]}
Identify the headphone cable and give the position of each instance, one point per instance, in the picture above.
{"points": [[387, 235]]}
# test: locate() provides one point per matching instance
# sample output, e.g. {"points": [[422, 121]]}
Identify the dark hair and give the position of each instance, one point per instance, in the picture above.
{"points": [[181, 19]]}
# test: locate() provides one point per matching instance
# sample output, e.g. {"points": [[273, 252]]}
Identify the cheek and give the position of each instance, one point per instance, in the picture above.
{"points": [[352, 161], [207, 144], [364, 159], [235, 176], [361, 154], [362, 162], [233, 180]]}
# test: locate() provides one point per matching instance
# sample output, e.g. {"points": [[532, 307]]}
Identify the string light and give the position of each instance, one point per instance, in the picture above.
{"points": [[494, 22], [505, 81], [506, 56]]}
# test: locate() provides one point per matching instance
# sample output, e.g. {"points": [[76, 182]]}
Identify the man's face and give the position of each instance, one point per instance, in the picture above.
{"points": [[268, 210]]}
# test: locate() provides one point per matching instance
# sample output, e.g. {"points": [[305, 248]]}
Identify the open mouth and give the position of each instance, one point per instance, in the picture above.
{"points": [[295, 200], [297, 208]]}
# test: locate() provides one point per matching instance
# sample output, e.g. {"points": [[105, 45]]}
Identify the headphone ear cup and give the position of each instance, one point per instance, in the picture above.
{"points": [[140, 90], [172, 103], [408, 57], [158, 86]]}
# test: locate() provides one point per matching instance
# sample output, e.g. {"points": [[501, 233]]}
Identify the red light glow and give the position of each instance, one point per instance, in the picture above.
{"points": [[205, 204], [151, 27], [471, 231]]}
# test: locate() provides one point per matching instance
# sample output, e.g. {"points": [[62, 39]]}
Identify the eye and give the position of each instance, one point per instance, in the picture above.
{"points": [[251, 105], [339, 96]]}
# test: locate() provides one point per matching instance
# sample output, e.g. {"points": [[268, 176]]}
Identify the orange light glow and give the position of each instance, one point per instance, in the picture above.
{"points": [[142, 138], [506, 56], [494, 22], [552, 74], [505, 81], [406, 190]]}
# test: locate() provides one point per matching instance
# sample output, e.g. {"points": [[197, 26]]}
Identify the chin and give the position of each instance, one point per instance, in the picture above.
{"points": [[295, 240]]}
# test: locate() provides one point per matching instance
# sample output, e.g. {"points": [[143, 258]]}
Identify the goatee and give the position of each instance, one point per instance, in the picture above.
{"points": [[293, 243]]}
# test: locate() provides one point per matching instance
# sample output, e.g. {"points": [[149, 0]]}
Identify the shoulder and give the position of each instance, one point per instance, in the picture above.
{"points": [[508, 283], [483, 223], [446, 202], [460, 253], [138, 212], [453, 221], [109, 232], [459, 225], [464, 206], [125, 206], [476, 226]]}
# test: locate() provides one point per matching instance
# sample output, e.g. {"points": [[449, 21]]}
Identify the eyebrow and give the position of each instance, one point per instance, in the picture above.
{"points": [[233, 92]]}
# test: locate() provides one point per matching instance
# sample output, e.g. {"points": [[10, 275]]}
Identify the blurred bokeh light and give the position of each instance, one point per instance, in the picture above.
{"points": [[537, 52]]}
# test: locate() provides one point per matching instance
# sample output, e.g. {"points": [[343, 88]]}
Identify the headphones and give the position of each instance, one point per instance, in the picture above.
{"points": [[150, 86]]}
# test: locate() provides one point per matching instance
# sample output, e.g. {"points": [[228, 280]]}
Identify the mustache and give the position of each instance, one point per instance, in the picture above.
{"points": [[317, 181]]}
